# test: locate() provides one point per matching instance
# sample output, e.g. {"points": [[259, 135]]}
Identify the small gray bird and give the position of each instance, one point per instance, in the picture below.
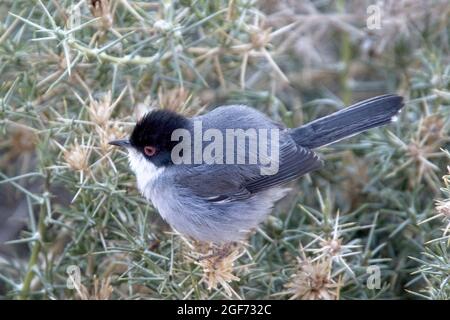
{"points": [[221, 202]]}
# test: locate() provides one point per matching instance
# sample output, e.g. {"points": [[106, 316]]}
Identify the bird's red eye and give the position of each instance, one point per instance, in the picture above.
{"points": [[149, 151]]}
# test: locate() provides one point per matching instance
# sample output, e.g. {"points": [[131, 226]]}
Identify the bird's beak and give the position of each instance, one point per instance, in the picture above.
{"points": [[121, 143]]}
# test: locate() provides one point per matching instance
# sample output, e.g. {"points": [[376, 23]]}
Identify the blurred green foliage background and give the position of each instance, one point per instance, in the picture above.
{"points": [[75, 74]]}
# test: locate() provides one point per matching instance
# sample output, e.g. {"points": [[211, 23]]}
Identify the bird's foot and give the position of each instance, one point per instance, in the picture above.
{"points": [[219, 252]]}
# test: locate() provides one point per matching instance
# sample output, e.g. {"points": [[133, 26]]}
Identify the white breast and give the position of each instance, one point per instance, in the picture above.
{"points": [[145, 171], [163, 199]]}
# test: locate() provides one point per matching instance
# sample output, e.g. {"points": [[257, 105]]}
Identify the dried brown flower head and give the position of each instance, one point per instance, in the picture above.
{"points": [[217, 263], [443, 211], [107, 133], [332, 247], [178, 100], [100, 110], [77, 157], [313, 281], [260, 38], [432, 128], [442, 208], [423, 147]]}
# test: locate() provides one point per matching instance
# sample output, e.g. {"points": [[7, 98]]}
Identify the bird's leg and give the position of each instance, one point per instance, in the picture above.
{"points": [[219, 253], [226, 249]]}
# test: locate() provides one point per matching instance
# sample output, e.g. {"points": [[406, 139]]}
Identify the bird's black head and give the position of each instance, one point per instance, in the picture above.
{"points": [[152, 135]]}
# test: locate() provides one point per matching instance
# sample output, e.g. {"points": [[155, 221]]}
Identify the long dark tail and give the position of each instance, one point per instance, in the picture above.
{"points": [[357, 118]]}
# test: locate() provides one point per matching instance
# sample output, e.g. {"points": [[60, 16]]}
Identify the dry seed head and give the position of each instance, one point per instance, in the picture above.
{"points": [[217, 264], [77, 157], [175, 99], [419, 152], [107, 133], [414, 150], [433, 128], [313, 281], [219, 270], [333, 246], [100, 110], [102, 9], [260, 38]]}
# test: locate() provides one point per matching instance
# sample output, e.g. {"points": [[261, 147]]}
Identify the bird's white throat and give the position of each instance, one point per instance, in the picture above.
{"points": [[145, 171]]}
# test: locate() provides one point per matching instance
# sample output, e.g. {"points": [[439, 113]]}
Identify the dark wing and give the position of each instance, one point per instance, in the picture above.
{"points": [[234, 182], [295, 161], [216, 182]]}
